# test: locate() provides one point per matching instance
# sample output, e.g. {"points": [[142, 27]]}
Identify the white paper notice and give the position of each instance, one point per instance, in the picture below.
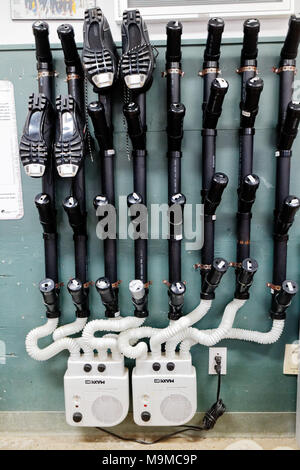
{"points": [[11, 198]]}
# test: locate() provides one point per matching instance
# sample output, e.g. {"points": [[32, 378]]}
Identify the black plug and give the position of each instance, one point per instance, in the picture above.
{"points": [[218, 366]]}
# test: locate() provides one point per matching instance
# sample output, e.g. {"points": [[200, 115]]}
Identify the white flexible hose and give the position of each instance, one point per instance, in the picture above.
{"points": [[177, 327], [208, 338], [109, 342], [129, 337], [140, 350], [53, 349], [70, 329], [115, 324], [269, 337], [87, 350]]}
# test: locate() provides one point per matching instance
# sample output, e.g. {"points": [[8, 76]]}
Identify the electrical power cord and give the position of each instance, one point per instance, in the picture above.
{"points": [[208, 423]]}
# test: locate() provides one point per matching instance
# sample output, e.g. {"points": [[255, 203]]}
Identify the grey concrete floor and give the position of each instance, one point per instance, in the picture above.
{"points": [[14, 441]]}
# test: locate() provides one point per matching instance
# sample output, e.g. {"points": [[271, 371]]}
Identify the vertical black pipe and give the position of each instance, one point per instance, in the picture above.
{"points": [[45, 85], [251, 88], [287, 127], [209, 73], [212, 112], [75, 81]]}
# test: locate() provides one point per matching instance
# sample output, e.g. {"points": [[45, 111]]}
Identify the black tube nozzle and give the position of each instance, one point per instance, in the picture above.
{"points": [[213, 278], [134, 198], [47, 213], [108, 297], [75, 216], [176, 204], [247, 193], [136, 132], [41, 34], [79, 296], [49, 292], [213, 110], [282, 300], [215, 29], [249, 108], [139, 296], [176, 295], [289, 50], [176, 115], [174, 32], [244, 278], [66, 35], [290, 126], [103, 132], [286, 215], [214, 195], [251, 30]]}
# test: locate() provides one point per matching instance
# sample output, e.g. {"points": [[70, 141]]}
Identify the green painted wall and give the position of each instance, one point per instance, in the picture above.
{"points": [[255, 381]]}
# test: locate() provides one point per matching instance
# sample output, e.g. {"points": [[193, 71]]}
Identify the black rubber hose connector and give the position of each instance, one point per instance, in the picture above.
{"points": [[103, 133], [286, 215], [75, 215], [215, 29], [244, 278], [282, 300], [247, 193], [176, 115], [108, 297], [213, 278], [249, 108], [136, 132], [66, 35], [41, 34], [49, 292], [79, 296], [289, 50], [290, 126], [214, 195], [213, 109], [176, 294], [47, 213], [174, 32], [251, 31]]}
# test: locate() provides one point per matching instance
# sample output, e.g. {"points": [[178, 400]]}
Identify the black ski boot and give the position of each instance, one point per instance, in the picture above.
{"points": [[37, 139], [100, 58], [70, 137], [138, 61]]}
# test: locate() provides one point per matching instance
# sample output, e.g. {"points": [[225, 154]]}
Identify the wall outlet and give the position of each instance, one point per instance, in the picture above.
{"points": [[291, 359], [213, 352]]}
